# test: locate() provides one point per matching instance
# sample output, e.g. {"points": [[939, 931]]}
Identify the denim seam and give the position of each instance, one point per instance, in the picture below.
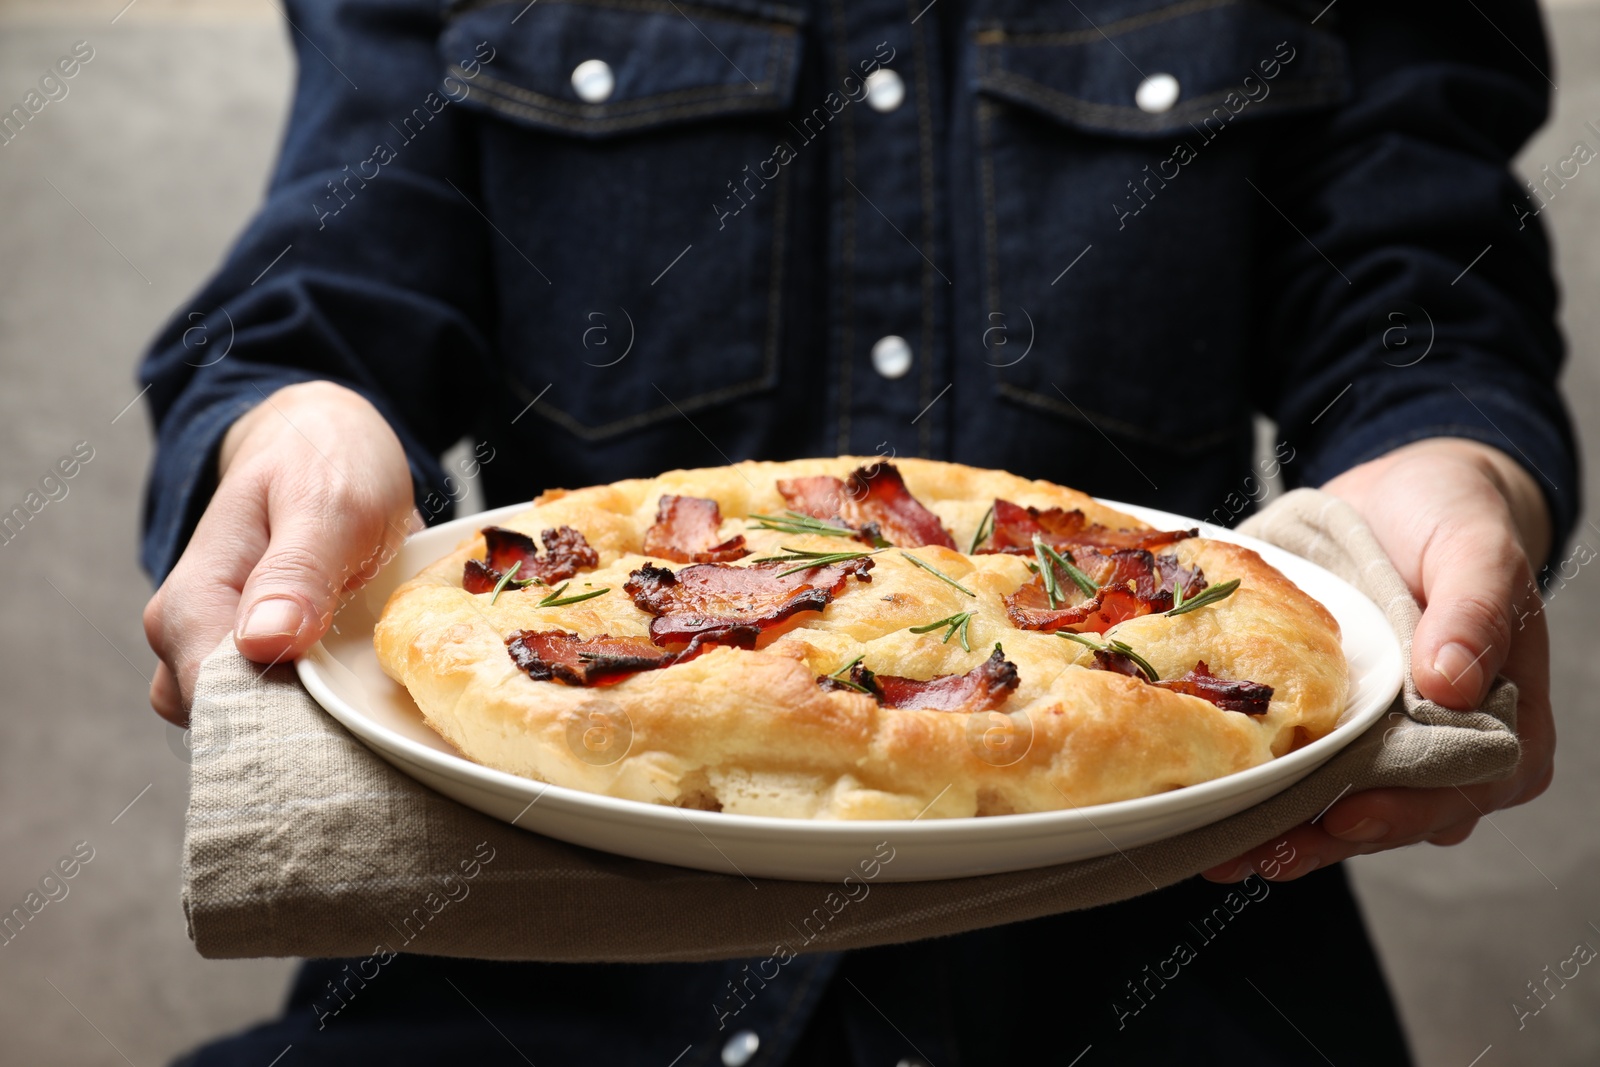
{"points": [[656, 414], [925, 176], [780, 237], [1103, 422], [639, 120], [998, 34], [991, 229], [706, 99], [768, 374], [847, 247], [1123, 117], [780, 14], [1029, 397]]}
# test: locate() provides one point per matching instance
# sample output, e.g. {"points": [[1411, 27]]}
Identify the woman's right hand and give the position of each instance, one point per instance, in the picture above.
{"points": [[313, 495]]}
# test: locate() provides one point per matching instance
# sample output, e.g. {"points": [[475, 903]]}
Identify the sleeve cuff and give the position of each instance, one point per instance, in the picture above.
{"points": [[1480, 412], [184, 473]]}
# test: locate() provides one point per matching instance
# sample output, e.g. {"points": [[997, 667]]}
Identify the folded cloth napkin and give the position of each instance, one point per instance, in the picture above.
{"points": [[301, 842]]}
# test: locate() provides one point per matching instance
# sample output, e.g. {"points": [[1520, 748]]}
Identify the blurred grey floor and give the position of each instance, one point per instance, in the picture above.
{"points": [[157, 156]]}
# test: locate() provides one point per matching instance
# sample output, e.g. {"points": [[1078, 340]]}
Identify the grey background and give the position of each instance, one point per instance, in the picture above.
{"points": [[158, 155]]}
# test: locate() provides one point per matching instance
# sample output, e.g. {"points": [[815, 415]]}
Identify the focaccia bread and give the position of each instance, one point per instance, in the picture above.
{"points": [[854, 639]]}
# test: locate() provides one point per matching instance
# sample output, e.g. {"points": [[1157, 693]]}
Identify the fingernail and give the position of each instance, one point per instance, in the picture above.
{"points": [[273, 617], [1462, 669], [1364, 832]]}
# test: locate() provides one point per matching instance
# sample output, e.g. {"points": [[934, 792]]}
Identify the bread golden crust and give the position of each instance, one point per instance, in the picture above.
{"points": [[751, 731]]}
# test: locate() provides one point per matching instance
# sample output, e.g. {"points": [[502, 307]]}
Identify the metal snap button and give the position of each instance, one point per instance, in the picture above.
{"points": [[886, 90], [593, 81], [1156, 93], [891, 356], [740, 1048]]}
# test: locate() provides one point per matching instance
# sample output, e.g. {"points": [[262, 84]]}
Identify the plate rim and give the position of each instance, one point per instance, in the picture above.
{"points": [[309, 668]]}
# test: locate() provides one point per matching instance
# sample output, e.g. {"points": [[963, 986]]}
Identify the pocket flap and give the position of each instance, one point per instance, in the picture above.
{"points": [[1242, 58], [667, 62]]}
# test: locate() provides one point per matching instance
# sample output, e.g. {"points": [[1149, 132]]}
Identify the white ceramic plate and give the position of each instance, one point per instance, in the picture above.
{"points": [[343, 675]]}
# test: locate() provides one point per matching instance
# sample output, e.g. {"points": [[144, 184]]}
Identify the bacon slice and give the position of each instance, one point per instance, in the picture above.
{"points": [[1249, 698], [984, 688], [1106, 659], [879, 495], [555, 655], [819, 495], [822, 496], [1029, 609], [565, 553], [1148, 576], [1132, 582], [874, 500], [733, 605], [1015, 527], [685, 531]]}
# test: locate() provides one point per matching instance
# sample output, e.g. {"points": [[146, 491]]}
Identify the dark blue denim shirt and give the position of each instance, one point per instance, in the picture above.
{"points": [[1083, 240]]}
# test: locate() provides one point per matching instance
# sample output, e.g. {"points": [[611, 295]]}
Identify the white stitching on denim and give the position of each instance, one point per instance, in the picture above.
{"points": [[793, 16], [998, 34], [847, 250], [925, 167], [1131, 119]]}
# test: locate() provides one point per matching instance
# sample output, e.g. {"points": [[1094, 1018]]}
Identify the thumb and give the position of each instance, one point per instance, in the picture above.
{"points": [[1473, 577], [313, 560]]}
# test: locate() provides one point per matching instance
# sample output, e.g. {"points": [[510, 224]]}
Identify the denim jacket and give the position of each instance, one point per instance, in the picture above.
{"points": [[1082, 240]]}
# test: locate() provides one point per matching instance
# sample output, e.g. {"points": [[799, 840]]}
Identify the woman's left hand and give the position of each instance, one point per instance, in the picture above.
{"points": [[1462, 522]]}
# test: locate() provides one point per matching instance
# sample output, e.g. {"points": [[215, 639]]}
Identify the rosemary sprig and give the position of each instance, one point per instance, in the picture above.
{"points": [[959, 623], [795, 522], [985, 528], [556, 600], [505, 580], [1064, 561], [811, 559], [1113, 645], [839, 675], [1209, 595], [875, 536], [1143, 664], [1177, 594], [520, 583], [937, 573], [1047, 573]]}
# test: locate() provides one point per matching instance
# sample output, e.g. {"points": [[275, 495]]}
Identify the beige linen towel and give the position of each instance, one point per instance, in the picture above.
{"points": [[301, 842]]}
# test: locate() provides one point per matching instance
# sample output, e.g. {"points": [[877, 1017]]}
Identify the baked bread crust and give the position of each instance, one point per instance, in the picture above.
{"points": [[751, 731]]}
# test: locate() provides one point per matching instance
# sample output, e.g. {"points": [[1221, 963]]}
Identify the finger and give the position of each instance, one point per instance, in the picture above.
{"points": [[1455, 834], [1386, 816], [1292, 855], [1363, 823], [324, 544], [195, 607], [165, 697], [1472, 573]]}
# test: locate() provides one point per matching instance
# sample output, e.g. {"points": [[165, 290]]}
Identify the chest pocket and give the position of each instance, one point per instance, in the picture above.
{"points": [[641, 245], [1115, 168]]}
